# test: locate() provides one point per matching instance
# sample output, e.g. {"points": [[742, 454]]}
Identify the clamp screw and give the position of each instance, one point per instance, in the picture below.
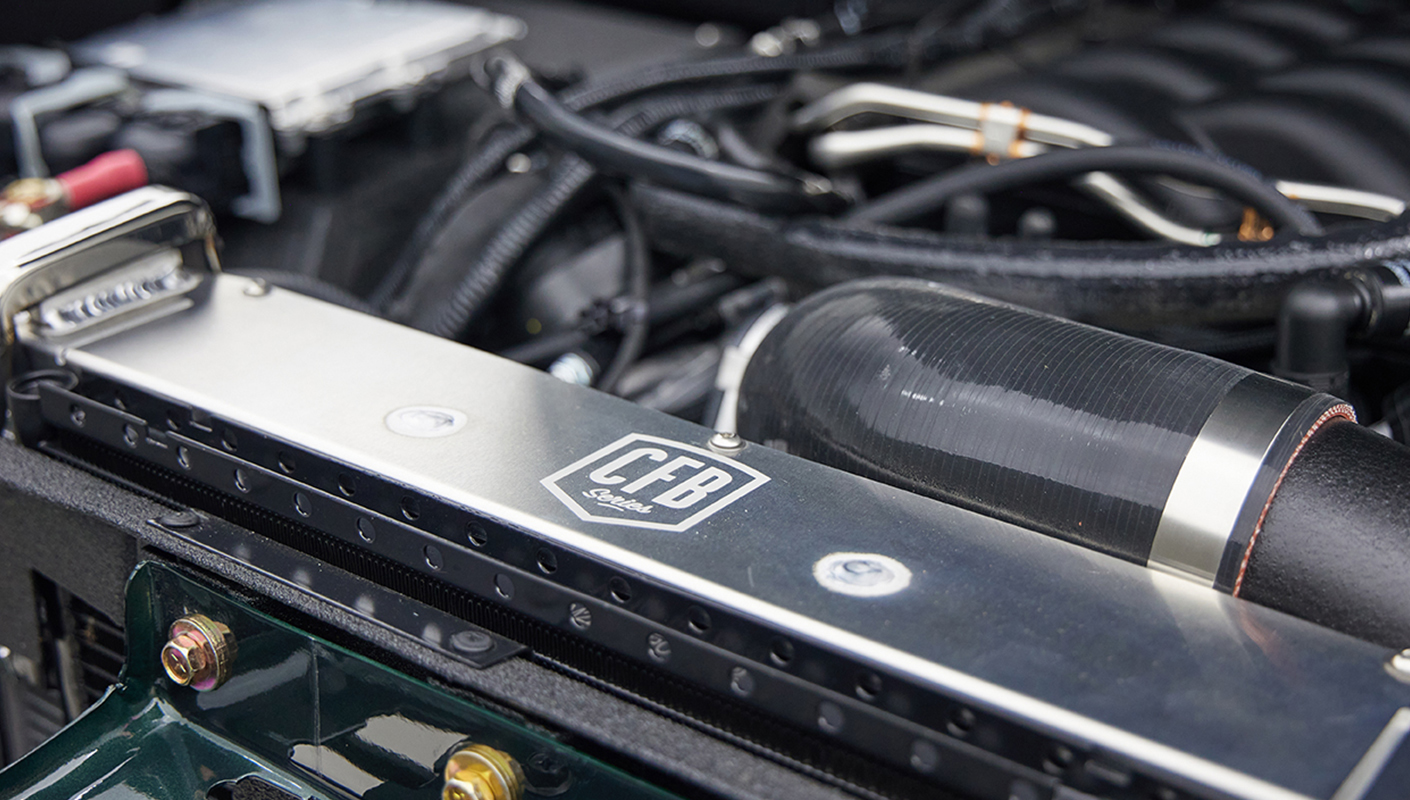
{"points": [[480, 772], [726, 443], [198, 653], [1399, 665]]}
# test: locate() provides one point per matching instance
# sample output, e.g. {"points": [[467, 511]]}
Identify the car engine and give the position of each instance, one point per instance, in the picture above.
{"points": [[983, 399]]}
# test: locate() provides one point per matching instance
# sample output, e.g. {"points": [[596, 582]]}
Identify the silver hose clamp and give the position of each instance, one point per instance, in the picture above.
{"points": [[1216, 505]]}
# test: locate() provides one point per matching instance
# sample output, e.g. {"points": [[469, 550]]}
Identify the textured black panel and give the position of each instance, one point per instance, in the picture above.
{"points": [[1335, 546]]}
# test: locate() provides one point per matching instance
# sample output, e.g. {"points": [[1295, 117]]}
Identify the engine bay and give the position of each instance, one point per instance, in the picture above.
{"points": [[984, 398]]}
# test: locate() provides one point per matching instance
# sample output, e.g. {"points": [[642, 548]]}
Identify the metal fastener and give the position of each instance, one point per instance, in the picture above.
{"points": [[726, 443], [198, 653], [1399, 665], [480, 772], [472, 642]]}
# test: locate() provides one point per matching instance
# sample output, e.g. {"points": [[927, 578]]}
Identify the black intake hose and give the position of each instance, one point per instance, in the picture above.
{"points": [[1159, 456], [1119, 284], [1335, 546]]}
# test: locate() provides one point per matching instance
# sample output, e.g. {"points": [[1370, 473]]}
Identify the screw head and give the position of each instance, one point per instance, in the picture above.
{"points": [[1399, 665], [726, 443], [198, 653], [472, 642], [480, 772], [179, 519]]}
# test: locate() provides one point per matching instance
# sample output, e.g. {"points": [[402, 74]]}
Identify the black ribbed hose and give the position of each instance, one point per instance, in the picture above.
{"points": [[993, 19], [1133, 285], [570, 177]]}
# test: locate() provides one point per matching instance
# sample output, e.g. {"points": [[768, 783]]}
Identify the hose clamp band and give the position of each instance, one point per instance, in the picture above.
{"points": [[1229, 476]]}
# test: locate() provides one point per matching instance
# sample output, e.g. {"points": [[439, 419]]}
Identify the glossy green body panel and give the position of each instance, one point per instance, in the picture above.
{"points": [[299, 712]]}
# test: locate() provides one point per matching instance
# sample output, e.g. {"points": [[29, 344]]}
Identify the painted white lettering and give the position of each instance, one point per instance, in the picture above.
{"points": [[695, 489], [603, 474], [665, 473]]}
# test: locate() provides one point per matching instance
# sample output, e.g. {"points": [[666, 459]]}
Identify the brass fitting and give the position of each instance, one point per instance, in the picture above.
{"points": [[198, 653], [480, 772]]}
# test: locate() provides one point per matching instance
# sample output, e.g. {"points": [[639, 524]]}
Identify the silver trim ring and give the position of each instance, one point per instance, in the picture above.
{"points": [[1218, 474]]}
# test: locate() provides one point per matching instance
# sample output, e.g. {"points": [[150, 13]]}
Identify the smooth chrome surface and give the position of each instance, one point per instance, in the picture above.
{"points": [[838, 149], [1179, 681], [1362, 780], [1215, 480], [862, 98], [1340, 200], [307, 62], [38, 265]]}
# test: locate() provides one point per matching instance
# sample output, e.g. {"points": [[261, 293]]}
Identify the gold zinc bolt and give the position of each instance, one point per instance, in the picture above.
{"points": [[198, 653], [480, 772]]}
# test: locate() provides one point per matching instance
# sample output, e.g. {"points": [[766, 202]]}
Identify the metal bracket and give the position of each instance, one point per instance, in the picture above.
{"points": [[83, 86], [428, 626], [262, 204]]}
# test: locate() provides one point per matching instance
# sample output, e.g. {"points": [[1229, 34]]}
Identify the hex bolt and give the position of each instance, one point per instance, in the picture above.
{"points": [[199, 653], [480, 772]]}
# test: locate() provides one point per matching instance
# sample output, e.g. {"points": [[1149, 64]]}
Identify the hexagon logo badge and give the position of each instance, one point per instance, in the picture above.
{"points": [[643, 481]]}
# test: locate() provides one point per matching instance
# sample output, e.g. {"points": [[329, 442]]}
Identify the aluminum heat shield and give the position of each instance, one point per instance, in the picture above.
{"points": [[309, 63], [993, 645]]}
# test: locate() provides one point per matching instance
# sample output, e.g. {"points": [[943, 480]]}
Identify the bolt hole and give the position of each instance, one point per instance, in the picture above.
{"points": [[961, 723], [183, 457], [365, 530], [781, 652], [697, 620], [548, 562], [477, 534], [433, 557], [229, 441], [120, 400], [130, 435], [868, 686], [77, 415], [173, 421], [347, 484], [410, 508], [302, 504], [504, 586], [242, 480], [620, 590], [286, 463]]}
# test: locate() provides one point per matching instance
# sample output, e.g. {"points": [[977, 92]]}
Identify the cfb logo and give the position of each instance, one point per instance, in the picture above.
{"points": [[649, 482]]}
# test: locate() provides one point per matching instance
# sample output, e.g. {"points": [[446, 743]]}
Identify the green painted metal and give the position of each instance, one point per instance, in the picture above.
{"points": [[306, 716]]}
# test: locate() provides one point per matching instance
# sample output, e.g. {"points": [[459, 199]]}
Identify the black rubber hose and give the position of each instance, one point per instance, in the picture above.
{"points": [[1335, 545], [571, 176], [309, 286], [485, 163], [996, 18], [624, 156], [545, 348], [926, 196], [1131, 285], [1070, 430], [638, 257]]}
